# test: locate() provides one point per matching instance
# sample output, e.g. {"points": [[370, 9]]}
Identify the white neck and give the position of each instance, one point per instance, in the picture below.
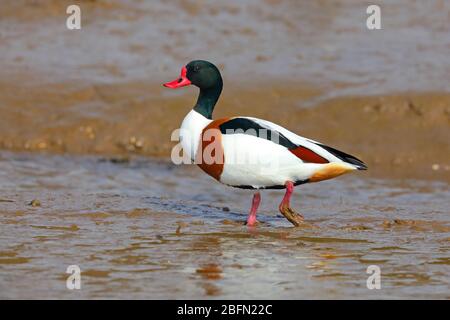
{"points": [[190, 131]]}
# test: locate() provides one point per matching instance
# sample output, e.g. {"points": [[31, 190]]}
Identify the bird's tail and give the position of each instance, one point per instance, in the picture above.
{"points": [[347, 158]]}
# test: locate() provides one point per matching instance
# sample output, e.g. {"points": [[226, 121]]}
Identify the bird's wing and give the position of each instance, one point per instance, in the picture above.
{"points": [[307, 150]]}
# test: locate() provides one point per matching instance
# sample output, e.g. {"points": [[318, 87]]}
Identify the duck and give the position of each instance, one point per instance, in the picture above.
{"points": [[251, 153]]}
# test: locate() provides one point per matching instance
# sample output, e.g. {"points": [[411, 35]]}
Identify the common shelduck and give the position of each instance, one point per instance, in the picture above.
{"points": [[251, 153]]}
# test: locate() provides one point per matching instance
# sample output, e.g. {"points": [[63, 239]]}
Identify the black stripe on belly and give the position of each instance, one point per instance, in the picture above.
{"points": [[296, 183], [247, 126]]}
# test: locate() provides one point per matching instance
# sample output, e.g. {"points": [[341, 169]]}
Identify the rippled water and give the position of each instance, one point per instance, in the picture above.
{"points": [[145, 228]]}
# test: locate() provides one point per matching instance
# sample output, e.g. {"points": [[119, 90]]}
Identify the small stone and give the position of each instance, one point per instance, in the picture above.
{"points": [[181, 225], [435, 167], [120, 160], [35, 203], [387, 223], [139, 144]]}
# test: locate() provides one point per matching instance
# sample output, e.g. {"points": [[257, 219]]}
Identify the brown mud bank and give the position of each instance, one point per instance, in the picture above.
{"points": [[399, 135], [312, 67]]}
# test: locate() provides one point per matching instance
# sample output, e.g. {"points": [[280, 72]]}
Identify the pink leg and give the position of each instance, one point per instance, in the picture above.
{"points": [[251, 220], [295, 218]]}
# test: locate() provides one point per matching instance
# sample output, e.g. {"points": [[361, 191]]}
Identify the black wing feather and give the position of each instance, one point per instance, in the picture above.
{"points": [[345, 157], [243, 125]]}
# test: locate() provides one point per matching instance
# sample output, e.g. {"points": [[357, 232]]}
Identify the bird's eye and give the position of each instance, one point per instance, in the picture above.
{"points": [[196, 68]]}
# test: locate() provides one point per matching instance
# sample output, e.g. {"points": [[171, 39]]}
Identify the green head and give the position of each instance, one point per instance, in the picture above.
{"points": [[207, 78]]}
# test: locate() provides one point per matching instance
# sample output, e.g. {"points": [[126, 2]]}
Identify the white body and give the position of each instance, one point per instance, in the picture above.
{"points": [[257, 162]]}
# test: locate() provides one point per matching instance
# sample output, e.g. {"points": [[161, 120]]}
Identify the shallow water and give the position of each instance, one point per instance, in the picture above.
{"points": [[144, 228]]}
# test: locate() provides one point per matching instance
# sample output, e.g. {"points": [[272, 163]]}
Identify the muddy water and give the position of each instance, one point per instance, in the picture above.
{"points": [[323, 42], [144, 228]]}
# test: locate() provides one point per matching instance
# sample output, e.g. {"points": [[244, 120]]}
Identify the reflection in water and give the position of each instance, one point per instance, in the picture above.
{"points": [[134, 237]]}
